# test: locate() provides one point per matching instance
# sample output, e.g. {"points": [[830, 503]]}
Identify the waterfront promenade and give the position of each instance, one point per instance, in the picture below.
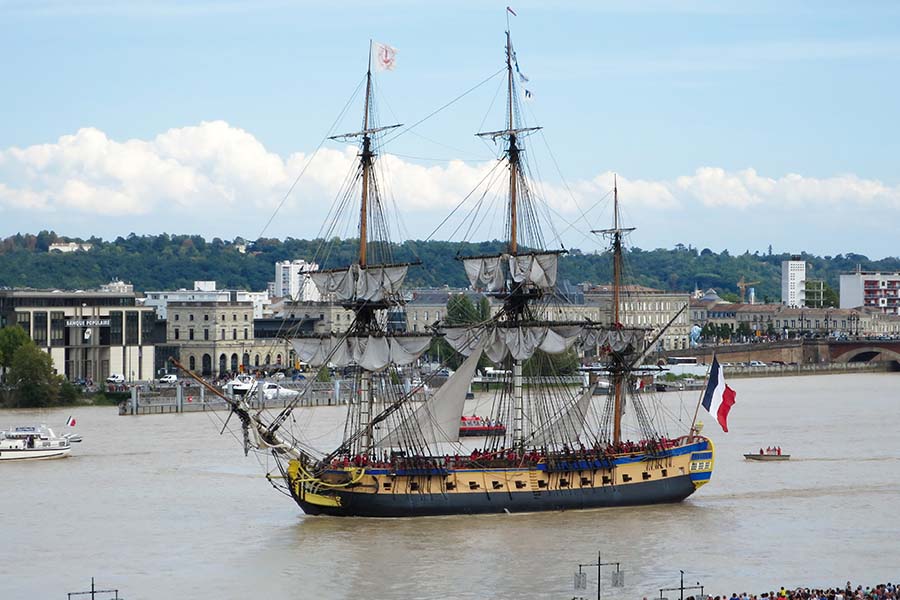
{"points": [[847, 591]]}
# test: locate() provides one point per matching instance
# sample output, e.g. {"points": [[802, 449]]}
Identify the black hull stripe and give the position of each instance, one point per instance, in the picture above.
{"points": [[670, 490]]}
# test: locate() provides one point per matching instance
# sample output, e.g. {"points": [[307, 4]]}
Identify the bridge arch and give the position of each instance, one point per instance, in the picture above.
{"points": [[867, 353]]}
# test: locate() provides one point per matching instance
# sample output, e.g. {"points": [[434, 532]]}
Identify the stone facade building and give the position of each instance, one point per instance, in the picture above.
{"points": [[218, 338]]}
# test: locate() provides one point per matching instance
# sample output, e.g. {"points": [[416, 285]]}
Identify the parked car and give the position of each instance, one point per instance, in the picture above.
{"points": [[169, 378], [116, 379], [757, 363]]}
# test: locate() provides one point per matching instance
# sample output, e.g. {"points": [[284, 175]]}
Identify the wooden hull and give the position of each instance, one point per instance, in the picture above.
{"points": [[767, 457], [630, 480]]}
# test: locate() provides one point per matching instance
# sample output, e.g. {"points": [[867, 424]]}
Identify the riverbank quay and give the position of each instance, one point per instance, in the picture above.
{"points": [[149, 400], [741, 371]]}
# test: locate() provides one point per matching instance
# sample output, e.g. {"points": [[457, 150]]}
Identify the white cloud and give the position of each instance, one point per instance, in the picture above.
{"points": [[218, 179]]}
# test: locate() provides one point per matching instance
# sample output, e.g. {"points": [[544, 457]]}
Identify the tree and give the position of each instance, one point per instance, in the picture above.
{"points": [[12, 337], [830, 297], [31, 372]]}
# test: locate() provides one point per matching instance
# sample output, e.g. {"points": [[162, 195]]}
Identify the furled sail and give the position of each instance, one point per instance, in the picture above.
{"points": [[538, 269], [521, 342], [485, 273], [438, 418], [616, 340], [568, 424], [372, 284], [372, 353]]}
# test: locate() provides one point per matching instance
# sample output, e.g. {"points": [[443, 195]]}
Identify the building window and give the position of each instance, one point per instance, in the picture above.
{"points": [[233, 317], [192, 363], [234, 334], [115, 328], [190, 317], [245, 316], [223, 334], [177, 316], [206, 334], [39, 335], [131, 328], [177, 334], [57, 328], [191, 333], [223, 317], [245, 334], [206, 317]]}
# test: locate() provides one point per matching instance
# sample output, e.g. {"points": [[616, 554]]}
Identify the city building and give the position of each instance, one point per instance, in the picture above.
{"points": [[218, 338], [325, 317], [292, 280], [871, 289], [64, 247], [205, 291], [88, 334], [815, 293], [793, 281]]}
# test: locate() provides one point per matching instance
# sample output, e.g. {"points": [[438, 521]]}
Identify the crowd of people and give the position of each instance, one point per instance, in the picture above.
{"points": [[881, 591]]}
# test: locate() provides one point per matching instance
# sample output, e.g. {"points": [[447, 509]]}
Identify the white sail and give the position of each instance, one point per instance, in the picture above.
{"points": [[568, 424], [372, 353], [521, 342], [372, 284], [438, 418], [538, 269], [485, 273]]}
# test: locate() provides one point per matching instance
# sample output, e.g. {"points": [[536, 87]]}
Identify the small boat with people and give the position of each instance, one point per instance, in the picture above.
{"points": [[770, 454], [34, 443], [479, 426]]}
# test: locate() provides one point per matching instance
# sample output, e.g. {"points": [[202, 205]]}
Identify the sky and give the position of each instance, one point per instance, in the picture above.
{"points": [[729, 125]]}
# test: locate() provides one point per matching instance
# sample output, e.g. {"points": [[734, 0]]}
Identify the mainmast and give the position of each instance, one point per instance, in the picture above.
{"points": [[513, 150], [365, 158], [617, 369]]}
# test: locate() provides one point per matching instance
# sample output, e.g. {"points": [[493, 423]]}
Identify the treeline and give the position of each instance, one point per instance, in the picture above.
{"points": [[164, 261]]}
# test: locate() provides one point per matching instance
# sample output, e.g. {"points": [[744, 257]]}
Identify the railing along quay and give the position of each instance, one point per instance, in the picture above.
{"points": [[147, 400]]}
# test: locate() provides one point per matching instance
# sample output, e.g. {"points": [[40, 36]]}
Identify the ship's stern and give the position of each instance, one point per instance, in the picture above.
{"points": [[702, 462]]}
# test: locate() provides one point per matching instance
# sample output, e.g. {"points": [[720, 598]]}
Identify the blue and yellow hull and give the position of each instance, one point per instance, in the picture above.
{"points": [[625, 480]]}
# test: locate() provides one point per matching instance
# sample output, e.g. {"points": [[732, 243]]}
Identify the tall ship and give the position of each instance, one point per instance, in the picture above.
{"points": [[562, 447]]}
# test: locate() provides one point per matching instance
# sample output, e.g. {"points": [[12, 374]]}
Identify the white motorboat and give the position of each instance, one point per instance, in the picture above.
{"points": [[273, 391], [242, 384], [34, 443]]}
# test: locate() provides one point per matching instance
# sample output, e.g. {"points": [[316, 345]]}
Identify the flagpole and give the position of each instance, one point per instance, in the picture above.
{"points": [[702, 391]]}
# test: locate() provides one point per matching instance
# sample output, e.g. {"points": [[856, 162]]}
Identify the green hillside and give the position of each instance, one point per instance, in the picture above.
{"points": [[174, 261]]}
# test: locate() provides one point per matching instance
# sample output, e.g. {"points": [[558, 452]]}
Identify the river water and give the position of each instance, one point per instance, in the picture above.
{"points": [[163, 506]]}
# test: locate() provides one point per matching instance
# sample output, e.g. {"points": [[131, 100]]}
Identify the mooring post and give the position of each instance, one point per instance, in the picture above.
{"points": [[134, 400], [179, 398]]}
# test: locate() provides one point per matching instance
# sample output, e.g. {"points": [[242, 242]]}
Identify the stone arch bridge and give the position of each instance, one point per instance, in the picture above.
{"points": [[802, 351]]}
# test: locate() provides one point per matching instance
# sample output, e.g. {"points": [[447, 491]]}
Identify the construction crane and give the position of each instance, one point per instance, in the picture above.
{"points": [[743, 285]]}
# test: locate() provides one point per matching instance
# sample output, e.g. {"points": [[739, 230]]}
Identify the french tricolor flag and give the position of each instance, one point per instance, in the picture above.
{"points": [[71, 422], [718, 397]]}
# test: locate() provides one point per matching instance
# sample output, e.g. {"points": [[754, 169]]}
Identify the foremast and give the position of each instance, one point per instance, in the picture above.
{"points": [[368, 287]]}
